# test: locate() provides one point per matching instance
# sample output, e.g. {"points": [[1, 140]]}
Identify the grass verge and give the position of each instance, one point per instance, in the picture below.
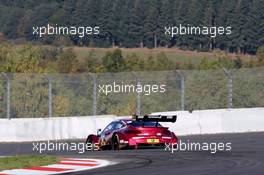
{"points": [[26, 161]]}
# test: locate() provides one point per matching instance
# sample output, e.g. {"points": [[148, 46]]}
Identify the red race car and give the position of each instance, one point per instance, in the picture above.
{"points": [[138, 131]]}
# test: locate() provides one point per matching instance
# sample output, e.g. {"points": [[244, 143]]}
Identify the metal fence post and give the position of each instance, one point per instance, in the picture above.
{"points": [[8, 97], [230, 92], [230, 89], [138, 97], [182, 90], [94, 94], [50, 96]]}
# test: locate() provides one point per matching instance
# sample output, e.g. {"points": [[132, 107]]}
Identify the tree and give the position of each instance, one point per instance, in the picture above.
{"points": [[134, 63], [9, 19], [221, 20], [260, 54], [136, 23], [182, 13], [114, 61], [195, 18], [23, 60], [67, 62], [209, 21], [106, 23], [254, 27], [165, 20], [162, 62], [151, 29], [139, 23]]}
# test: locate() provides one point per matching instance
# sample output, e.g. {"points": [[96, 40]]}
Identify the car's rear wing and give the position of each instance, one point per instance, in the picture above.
{"points": [[157, 118]]}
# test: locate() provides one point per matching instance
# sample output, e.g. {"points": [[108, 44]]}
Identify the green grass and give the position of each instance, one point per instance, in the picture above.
{"points": [[26, 161]]}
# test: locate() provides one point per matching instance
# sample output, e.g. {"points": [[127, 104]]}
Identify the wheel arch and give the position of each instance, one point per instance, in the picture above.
{"points": [[93, 137]]}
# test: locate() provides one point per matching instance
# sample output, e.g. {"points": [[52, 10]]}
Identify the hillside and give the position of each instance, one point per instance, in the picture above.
{"points": [[135, 23]]}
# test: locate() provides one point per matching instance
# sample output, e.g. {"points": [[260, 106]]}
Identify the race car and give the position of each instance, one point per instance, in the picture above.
{"points": [[132, 133]]}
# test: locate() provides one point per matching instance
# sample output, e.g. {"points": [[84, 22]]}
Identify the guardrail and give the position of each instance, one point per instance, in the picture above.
{"points": [[197, 122]]}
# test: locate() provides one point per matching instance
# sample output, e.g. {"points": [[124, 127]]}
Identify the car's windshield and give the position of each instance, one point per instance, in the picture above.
{"points": [[145, 124]]}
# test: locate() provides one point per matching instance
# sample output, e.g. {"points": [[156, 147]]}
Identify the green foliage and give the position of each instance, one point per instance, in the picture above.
{"points": [[20, 60], [163, 63], [206, 90], [138, 23], [260, 55], [67, 62], [248, 88], [134, 63], [39, 59], [72, 93], [29, 95], [90, 63], [113, 61]]}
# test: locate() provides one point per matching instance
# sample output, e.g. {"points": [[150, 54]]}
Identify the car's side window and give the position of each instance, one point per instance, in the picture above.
{"points": [[118, 125], [113, 126], [109, 127]]}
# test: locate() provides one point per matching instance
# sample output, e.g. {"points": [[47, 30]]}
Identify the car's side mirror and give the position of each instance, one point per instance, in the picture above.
{"points": [[99, 132]]}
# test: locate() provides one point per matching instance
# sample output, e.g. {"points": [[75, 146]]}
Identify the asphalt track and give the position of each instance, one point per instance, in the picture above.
{"points": [[246, 157]]}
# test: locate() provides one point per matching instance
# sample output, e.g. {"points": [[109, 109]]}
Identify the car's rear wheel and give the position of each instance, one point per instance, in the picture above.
{"points": [[115, 144], [90, 143]]}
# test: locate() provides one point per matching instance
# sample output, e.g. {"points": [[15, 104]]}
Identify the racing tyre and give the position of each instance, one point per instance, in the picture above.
{"points": [[89, 140], [115, 145]]}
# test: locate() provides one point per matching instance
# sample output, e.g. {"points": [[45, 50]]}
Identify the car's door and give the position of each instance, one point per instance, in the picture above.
{"points": [[115, 127], [107, 132]]}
